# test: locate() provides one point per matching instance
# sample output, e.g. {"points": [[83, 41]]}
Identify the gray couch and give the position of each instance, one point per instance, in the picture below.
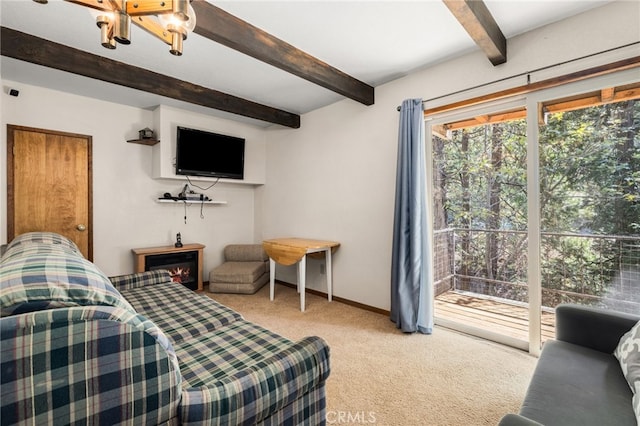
{"points": [[578, 380]]}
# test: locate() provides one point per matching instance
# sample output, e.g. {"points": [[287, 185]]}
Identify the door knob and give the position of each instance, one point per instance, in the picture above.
{"points": [[81, 227]]}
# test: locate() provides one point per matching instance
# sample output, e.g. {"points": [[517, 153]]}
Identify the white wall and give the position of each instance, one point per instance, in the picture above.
{"points": [[334, 178], [125, 212]]}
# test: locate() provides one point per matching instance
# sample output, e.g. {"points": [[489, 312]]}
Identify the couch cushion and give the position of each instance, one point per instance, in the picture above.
{"points": [[574, 385], [36, 276], [628, 354], [226, 351], [238, 288], [181, 313], [245, 253], [238, 272]]}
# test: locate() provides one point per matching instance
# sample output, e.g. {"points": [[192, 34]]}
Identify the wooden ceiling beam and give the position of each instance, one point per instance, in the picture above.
{"points": [[222, 27], [475, 17], [29, 48]]}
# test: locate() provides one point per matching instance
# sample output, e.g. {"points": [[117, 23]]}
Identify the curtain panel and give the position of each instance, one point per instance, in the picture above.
{"points": [[411, 289]]}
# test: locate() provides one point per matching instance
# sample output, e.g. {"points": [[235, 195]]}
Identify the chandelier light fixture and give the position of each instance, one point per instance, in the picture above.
{"points": [[168, 20]]}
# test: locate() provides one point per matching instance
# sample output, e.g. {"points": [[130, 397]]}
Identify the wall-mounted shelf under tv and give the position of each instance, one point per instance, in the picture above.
{"points": [[171, 201]]}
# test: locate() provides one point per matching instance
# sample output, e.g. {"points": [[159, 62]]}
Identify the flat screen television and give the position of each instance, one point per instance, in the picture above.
{"points": [[201, 153]]}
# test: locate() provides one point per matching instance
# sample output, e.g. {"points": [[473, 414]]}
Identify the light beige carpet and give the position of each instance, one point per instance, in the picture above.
{"points": [[384, 377]]}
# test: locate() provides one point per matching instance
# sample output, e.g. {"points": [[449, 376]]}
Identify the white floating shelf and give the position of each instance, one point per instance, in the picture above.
{"points": [[168, 201]]}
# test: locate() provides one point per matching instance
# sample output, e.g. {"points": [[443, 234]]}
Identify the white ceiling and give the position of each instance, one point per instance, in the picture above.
{"points": [[373, 41]]}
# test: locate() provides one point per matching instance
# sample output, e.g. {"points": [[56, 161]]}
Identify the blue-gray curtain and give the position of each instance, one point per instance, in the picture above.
{"points": [[411, 289]]}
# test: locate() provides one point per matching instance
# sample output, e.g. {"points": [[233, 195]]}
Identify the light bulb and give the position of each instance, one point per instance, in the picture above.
{"points": [[190, 24], [104, 23], [170, 20], [122, 28]]}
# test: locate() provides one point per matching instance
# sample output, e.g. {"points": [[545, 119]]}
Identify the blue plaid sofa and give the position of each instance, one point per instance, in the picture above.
{"points": [[78, 347]]}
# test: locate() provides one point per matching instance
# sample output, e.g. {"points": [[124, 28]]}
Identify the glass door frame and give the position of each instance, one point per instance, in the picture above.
{"points": [[439, 119], [532, 101]]}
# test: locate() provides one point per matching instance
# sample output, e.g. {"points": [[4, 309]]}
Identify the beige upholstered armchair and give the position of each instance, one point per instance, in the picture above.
{"points": [[245, 270]]}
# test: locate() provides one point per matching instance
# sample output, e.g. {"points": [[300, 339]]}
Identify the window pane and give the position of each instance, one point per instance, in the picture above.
{"points": [[590, 206], [480, 214]]}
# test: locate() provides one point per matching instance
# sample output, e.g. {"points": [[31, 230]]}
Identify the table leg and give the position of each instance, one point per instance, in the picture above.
{"points": [[272, 277], [302, 274], [329, 271]]}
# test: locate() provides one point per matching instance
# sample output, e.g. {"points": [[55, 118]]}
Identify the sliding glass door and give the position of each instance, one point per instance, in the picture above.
{"points": [[480, 223], [536, 202]]}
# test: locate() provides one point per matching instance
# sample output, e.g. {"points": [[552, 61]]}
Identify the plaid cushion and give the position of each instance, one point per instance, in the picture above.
{"points": [[38, 276], [43, 238], [227, 391], [178, 311], [226, 351], [86, 365], [140, 279]]}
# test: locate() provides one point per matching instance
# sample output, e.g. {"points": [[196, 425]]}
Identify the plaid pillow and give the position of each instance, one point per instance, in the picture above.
{"points": [[37, 276], [40, 238]]}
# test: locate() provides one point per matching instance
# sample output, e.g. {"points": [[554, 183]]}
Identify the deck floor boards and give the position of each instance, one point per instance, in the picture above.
{"points": [[510, 319]]}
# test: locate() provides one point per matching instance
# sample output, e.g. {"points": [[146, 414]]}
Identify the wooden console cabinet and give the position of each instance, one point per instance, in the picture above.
{"points": [[140, 255]]}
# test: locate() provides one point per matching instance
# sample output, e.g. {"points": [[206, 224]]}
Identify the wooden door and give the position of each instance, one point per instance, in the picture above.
{"points": [[49, 184]]}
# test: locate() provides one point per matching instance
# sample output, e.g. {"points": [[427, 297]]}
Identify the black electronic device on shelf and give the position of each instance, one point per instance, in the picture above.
{"points": [[185, 195], [201, 153]]}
